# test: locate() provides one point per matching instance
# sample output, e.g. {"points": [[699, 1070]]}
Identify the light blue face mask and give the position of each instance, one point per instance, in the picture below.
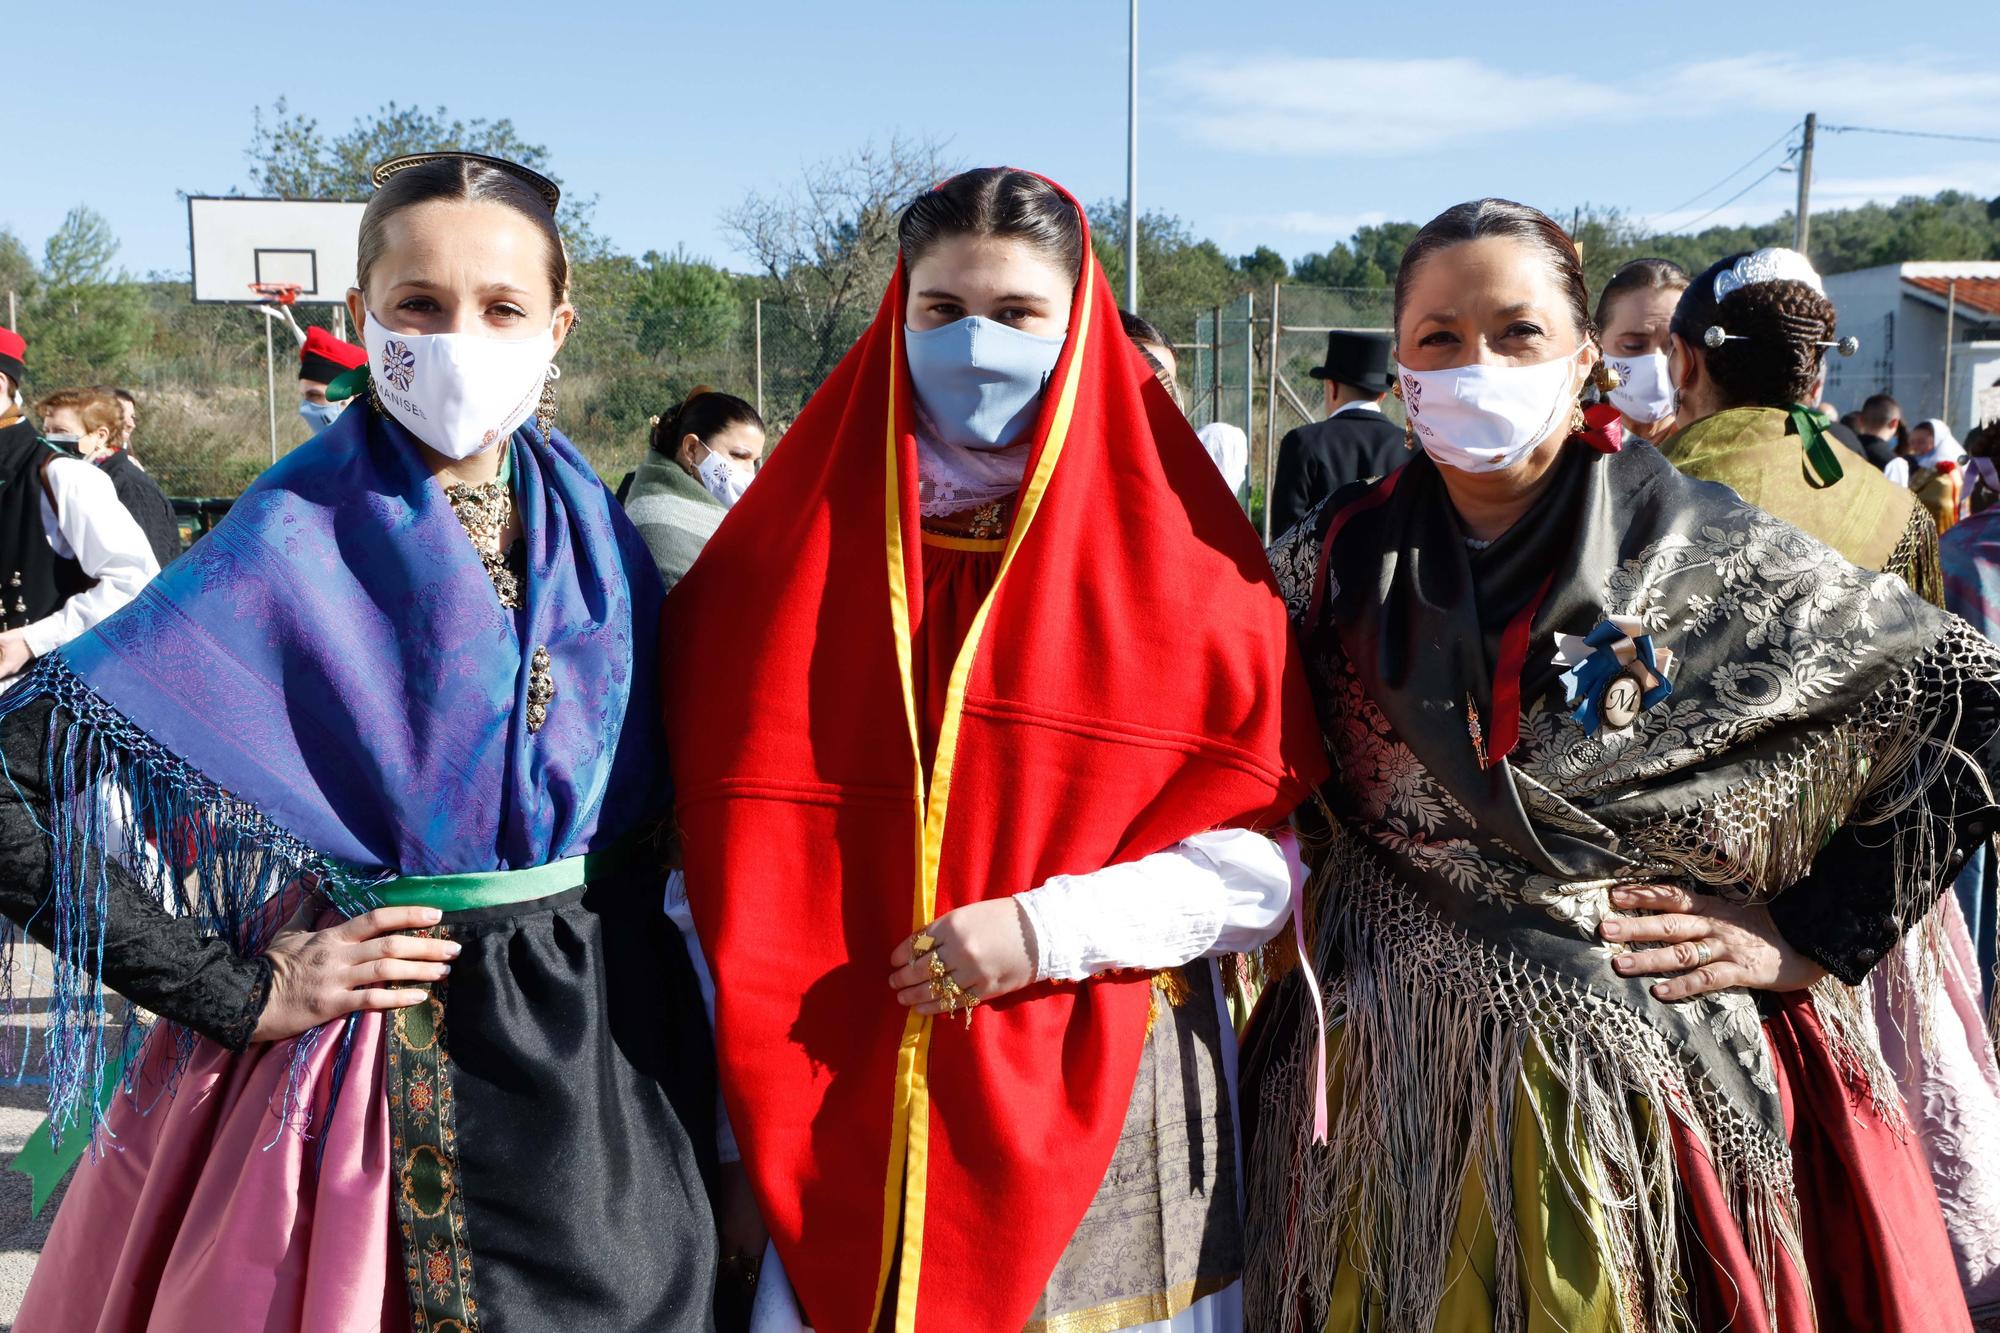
{"points": [[980, 381], [318, 416]]}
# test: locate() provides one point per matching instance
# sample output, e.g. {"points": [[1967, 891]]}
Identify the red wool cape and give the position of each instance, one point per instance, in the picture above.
{"points": [[1130, 681]]}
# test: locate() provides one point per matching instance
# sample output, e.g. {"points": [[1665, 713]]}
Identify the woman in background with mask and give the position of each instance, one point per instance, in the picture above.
{"points": [[993, 625], [433, 1057], [703, 456], [1633, 312], [1934, 466], [1592, 724], [1750, 338]]}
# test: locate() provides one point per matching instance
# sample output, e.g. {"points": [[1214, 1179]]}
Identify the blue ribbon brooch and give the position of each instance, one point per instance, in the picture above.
{"points": [[1615, 674]]}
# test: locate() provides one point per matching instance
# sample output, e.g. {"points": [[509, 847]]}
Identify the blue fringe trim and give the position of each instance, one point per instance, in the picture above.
{"points": [[194, 848]]}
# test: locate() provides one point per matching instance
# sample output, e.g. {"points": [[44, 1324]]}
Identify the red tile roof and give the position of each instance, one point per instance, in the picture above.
{"points": [[1980, 294]]}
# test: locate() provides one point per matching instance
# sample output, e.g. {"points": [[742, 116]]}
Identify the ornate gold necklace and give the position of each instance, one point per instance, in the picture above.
{"points": [[483, 511]]}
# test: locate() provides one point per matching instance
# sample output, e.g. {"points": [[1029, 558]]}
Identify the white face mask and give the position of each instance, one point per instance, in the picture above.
{"points": [[722, 479], [1645, 391], [1485, 418], [460, 393]]}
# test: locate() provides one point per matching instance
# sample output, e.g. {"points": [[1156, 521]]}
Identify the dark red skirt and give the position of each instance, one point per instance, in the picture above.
{"points": [[1876, 1254]]}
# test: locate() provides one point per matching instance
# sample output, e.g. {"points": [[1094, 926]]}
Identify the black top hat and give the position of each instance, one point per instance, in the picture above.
{"points": [[1359, 359]]}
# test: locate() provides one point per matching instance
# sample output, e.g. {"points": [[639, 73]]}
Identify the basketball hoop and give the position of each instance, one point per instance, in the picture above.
{"points": [[277, 293]]}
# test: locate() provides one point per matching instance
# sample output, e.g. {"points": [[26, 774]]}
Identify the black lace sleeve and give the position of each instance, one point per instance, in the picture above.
{"points": [[1844, 913], [151, 957]]}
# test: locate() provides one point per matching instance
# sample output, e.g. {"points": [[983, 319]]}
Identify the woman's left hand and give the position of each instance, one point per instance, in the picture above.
{"points": [[1713, 944], [984, 945]]}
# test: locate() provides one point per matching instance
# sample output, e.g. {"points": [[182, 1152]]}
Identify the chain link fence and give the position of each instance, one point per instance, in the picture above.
{"points": [[1248, 362], [205, 422]]}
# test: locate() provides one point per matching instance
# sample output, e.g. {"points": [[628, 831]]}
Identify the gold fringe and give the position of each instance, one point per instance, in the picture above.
{"points": [[1169, 984], [1915, 559]]}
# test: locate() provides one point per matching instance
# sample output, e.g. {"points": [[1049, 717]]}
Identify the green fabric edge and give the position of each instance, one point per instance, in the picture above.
{"points": [[500, 888], [43, 1161]]}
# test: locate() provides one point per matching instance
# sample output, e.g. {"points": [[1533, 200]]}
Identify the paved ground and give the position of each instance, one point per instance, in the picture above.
{"points": [[23, 1107], [21, 1236]]}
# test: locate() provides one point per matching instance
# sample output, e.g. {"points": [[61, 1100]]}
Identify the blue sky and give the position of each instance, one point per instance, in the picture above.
{"points": [[1263, 120]]}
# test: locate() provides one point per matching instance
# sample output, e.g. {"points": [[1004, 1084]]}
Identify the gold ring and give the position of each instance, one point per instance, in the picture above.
{"points": [[921, 943]]}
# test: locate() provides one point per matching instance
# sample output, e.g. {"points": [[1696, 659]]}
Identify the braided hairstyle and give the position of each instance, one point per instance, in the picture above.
{"points": [[1773, 355]]}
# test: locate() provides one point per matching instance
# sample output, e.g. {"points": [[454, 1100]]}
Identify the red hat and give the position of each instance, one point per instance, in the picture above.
{"points": [[324, 357], [13, 356]]}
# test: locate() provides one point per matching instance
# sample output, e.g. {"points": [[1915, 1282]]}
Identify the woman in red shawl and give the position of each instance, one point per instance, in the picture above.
{"points": [[1019, 695]]}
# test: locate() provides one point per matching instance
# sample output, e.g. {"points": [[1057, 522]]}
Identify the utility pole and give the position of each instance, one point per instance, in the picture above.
{"points": [[1950, 319], [1801, 223], [1132, 171]]}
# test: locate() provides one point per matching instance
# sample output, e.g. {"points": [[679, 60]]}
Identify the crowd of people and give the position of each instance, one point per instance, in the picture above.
{"points": [[944, 872]]}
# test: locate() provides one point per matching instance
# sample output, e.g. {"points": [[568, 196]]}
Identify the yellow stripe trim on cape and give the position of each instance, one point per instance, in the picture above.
{"points": [[909, 1142]]}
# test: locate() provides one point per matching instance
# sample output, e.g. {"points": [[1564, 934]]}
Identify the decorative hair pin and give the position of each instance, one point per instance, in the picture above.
{"points": [[551, 193], [1715, 335]]}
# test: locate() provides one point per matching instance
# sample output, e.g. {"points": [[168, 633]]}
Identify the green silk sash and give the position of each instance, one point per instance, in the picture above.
{"points": [[500, 888]]}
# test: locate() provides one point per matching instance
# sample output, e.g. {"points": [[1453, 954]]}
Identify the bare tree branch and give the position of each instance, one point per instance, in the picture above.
{"points": [[829, 244]]}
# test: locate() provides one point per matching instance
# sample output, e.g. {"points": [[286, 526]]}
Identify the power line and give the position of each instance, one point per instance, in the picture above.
{"points": [[1754, 160], [1738, 195], [1910, 134]]}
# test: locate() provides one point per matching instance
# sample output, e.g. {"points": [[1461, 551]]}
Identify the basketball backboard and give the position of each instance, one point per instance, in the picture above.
{"points": [[236, 244]]}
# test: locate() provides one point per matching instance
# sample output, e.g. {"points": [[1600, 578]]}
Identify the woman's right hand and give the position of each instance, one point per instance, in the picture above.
{"points": [[320, 975]]}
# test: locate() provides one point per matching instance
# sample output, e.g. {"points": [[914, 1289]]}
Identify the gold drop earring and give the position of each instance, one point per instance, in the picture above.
{"points": [[545, 411]]}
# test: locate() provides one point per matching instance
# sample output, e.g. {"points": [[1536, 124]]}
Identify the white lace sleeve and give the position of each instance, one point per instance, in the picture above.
{"points": [[682, 916], [1225, 891]]}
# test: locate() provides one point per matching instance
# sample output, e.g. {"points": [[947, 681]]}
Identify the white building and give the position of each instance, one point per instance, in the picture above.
{"points": [[1900, 313]]}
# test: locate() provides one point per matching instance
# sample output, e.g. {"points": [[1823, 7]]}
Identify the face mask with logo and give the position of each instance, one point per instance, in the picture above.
{"points": [[722, 479], [1486, 418], [980, 381], [1645, 391], [460, 393], [318, 416]]}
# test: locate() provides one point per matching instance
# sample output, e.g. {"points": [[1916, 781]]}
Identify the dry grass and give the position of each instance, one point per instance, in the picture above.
{"points": [[215, 440]]}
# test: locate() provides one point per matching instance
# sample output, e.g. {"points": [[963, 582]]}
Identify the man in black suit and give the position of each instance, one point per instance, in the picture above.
{"points": [[1355, 440], [1878, 428]]}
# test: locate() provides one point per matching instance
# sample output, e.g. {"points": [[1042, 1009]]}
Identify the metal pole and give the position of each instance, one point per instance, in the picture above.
{"points": [[12, 322], [1249, 368], [1132, 172], [1950, 317], [1215, 365], [758, 321], [1271, 415], [271, 385], [1801, 224]]}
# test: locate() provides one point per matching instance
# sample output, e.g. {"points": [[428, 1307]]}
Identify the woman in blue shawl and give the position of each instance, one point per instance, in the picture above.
{"points": [[381, 748]]}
